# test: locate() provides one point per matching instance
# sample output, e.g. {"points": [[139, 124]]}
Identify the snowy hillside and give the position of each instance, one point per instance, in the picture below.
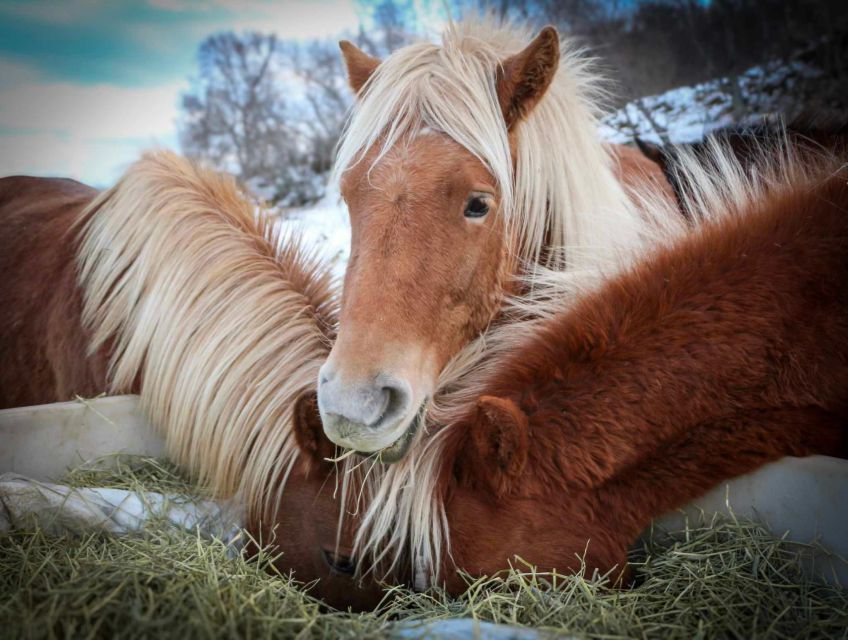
{"points": [[685, 114]]}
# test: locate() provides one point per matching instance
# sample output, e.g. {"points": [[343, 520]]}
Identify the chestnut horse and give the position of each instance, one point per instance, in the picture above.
{"points": [[173, 286], [465, 166], [725, 350]]}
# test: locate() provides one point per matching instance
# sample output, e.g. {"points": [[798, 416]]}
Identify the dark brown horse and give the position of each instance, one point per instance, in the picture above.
{"points": [[727, 350]]}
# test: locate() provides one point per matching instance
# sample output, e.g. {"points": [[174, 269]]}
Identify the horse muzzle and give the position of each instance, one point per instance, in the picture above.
{"points": [[372, 415]]}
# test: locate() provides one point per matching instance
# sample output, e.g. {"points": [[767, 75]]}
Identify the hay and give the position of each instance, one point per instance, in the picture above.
{"points": [[717, 580]]}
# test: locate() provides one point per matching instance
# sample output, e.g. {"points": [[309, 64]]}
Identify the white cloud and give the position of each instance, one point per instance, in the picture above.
{"points": [[295, 18], [84, 132], [94, 162], [91, 111], [14, 73]]}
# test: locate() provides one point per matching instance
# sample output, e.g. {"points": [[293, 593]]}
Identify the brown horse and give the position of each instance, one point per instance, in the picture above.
{"points": [[44, 348], [721, 352], [172, 285], [466, 167], [724, 351]]}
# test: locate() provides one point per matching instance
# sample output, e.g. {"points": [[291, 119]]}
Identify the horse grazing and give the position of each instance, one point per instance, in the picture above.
{"points": [[465, 168], [724, 350], [171, 285]]}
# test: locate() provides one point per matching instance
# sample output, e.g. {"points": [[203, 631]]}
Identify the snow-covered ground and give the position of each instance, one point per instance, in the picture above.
{"points": [[324, 225], [686, 114]]}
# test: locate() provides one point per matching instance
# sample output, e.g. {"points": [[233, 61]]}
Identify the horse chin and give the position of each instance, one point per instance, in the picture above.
{"points": [[396, 451]]}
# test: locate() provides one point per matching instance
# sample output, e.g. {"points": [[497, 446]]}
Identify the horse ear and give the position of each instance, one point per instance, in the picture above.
{"points": [[359, 64], [499, 437], [524, 77], [308, 430]]}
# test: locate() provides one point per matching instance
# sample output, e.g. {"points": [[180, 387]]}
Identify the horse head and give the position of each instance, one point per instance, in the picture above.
{"points": [[302, 530], [430, 259]]}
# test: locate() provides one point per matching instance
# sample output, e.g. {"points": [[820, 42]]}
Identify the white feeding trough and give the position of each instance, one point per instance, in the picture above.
{"points": [[805, 498], [39, 444]]}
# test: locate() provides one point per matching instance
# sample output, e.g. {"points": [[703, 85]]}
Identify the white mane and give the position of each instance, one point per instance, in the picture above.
{"points": [[214, 319]]}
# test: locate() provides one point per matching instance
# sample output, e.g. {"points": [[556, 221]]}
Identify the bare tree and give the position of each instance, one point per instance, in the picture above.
{"points": [[235, 114]]}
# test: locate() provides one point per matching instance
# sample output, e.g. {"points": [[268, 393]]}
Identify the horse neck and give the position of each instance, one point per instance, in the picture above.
{"points": [[682, 471]]}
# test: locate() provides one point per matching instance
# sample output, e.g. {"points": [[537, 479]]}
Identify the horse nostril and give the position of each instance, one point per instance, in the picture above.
{"points": [[392, 401], [386, 394]]}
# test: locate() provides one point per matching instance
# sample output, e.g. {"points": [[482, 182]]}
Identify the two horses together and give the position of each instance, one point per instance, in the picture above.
{"points": [[536, 354]]}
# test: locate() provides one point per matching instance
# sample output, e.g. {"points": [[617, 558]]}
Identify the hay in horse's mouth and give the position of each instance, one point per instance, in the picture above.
{"points": [[400, 447]]}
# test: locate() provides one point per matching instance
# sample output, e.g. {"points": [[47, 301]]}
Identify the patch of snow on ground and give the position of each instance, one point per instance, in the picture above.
{"points": [[324, 225]]}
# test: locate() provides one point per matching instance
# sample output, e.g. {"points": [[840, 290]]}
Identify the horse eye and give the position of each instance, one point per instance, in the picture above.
{"points": [[476, 208], [339, 563]]}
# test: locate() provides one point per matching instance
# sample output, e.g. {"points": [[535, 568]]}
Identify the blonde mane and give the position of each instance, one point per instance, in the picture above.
{"points": [[218, 322]]}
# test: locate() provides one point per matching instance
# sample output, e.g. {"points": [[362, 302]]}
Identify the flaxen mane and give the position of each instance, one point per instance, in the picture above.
{"points": [[214, 319]]}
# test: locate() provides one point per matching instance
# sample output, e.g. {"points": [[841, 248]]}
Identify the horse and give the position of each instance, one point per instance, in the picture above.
{"points": [[712, 355], [464, 167], [173, 285]]}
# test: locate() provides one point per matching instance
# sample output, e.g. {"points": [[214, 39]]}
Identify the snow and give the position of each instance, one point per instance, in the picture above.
{"points": [[686, 114], [324, 225]]}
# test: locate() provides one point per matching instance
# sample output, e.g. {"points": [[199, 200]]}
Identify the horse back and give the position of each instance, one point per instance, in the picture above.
{"points": [[43, 345]]}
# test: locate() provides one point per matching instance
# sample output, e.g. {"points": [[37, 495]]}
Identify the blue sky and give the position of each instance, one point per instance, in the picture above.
{"points": [[85, 85]]}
